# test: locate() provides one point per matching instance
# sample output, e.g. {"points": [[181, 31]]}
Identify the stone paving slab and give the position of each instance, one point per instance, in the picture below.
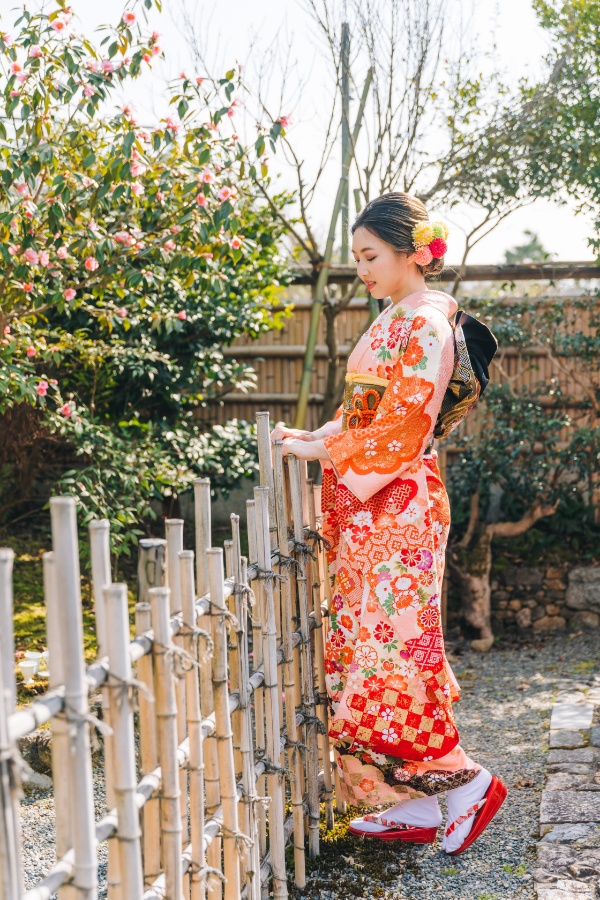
{"points": [[565, 740], [569, 806], [587, 832], [567, 890], [567, 757], [572, 716]]}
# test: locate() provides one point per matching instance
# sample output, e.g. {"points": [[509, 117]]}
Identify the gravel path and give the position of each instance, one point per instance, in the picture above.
{"points": [[504, 724]]}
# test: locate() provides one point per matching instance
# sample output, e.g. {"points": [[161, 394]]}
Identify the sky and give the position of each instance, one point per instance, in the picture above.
{"points": [[246, 31]]}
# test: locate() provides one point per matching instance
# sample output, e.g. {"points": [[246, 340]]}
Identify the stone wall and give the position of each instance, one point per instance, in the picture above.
{"points": [[545, 598]]}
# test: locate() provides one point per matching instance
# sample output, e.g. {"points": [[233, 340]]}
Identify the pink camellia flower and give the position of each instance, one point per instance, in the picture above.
{"points": [[53, 381], [155, 36], [129, 18], [123, 238], [183, 75], [235, 243], [199, 79], [14, 249], [91, 264], [137, 168], [234, 137], [62, 252], [35, 51], [15, 93], [284, 121], [146, 57], [69, 294], [22, 189], [224, 193], [122, 312], [160, 196], [7, 329], [16, 67], [59, 23], [28, 214], [156, 49], [92, 65], [202, 200], [22, 77], [182, 315], [66, 410], [8, 39], [42, 388], [231, 112], [207, 177], [170, 123], [44, 258], [107, 66], [170, 245], [88, 90], [31, 351], [137, 189]]}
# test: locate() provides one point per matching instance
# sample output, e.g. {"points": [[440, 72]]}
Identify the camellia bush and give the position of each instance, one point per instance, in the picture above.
{"points": [[130, 256]]}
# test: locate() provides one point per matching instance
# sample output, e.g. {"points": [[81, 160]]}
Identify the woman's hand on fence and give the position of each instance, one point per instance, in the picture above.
{"points": [[280, 432], [305, 449]]}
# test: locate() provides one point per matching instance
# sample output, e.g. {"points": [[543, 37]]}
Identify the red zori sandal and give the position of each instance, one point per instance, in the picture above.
{"points": [[393, 831], [484, 811]]}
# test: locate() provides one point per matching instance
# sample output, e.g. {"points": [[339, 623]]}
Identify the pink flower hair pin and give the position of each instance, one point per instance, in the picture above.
{"points": [[429, 240]]}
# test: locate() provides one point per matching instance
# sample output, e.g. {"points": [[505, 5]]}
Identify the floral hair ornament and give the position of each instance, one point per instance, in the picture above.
{"points": [[429, 240]]}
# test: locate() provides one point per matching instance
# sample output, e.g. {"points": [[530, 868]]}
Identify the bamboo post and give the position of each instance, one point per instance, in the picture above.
{"points": [[125, 781], [294, 756], [166, 730], [259, 693], [60, 727], [308, 692], [151, 573], [202, 512], [319, 292], [174, 536], [223, 731], [250, 869], [233, 656], [99, 532], [11, 882], [273, 738], [317, 593], [194, 727], [66, 559]]}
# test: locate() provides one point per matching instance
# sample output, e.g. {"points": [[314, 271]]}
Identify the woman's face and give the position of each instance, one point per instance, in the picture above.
{"points": [[385, 271]]}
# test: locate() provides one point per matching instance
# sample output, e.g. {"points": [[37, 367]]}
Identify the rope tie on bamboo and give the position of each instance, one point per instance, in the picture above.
{"points": [[303, 550], [317, 538], [247, 590], [286, 562], [243, 842], [178, 658], [208, 875], [313, 720], [195, 634], [75, 719], [274, 768], [17, 766], [127, 689], [223, 613], [270, 575], [253, 798]]}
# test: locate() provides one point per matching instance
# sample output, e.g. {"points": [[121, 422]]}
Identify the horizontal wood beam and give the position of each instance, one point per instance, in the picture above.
{"points": [[553, 271]]}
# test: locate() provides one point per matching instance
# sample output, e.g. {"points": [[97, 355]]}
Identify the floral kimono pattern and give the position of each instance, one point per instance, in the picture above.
{"points": [[386, 516]]}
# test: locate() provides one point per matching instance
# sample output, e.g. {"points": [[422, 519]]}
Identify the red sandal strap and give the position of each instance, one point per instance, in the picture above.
{"points": [[473, 810], [387, 823]]}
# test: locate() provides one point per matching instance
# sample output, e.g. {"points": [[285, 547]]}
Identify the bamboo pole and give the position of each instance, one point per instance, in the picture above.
{"points": [[99, 532], [60, 727], [319, 645], [308, 691], [174, 536], [194, 729], [251, 867], [11, 881], [224, 733], [202, 511], [66, 558], [125, 781], [151, 573], [166, 730], [273, 752], [259, 693], [319, 291], [293, 736], [233, 656]]}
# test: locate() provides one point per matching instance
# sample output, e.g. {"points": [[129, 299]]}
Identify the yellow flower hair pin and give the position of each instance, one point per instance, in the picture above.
{"points": [[429, 240]]}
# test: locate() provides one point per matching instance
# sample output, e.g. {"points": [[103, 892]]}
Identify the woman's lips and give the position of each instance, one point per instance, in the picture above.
{"points": [[369, 285]]}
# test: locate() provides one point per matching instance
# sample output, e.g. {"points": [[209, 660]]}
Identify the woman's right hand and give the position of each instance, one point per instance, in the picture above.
{"points": [[280, 432]]}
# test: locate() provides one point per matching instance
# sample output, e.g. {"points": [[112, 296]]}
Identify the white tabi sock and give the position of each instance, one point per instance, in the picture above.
{"points": [[459, 801], [424, 812]]}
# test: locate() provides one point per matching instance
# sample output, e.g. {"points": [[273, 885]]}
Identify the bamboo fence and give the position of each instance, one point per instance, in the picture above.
{"points": [[214, 717]]}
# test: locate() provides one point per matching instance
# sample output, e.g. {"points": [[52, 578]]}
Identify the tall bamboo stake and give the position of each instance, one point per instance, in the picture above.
{"points": [[294, 755], [101, 576], [229, 797], [275, 775], [251, 868], [308, 694], [151, 573], [60, 727], [174, 536], [259, 694], [125, 780], [317, 597], [66, 556], [166, 718], [202, 510], [11, 882], [233, 656], [194, 722]]}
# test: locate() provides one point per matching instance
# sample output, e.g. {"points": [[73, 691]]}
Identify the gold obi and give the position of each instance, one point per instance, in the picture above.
{"points": [[361, 398]]}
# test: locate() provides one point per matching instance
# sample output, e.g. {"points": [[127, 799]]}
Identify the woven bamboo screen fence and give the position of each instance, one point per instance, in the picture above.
{"points": [[214, 716]]}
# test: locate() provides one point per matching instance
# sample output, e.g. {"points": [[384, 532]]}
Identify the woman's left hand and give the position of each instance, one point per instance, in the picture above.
{"points": [[305, 449]]}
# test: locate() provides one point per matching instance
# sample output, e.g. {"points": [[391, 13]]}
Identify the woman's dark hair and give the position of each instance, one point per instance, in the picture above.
{"points": [[392, 218]]}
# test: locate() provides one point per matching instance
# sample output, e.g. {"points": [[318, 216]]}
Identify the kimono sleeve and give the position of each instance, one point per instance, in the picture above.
{"points": [[367, 459]]}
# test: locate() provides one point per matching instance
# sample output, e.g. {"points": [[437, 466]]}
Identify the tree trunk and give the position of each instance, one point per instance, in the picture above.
{"points": [[471, 569]]}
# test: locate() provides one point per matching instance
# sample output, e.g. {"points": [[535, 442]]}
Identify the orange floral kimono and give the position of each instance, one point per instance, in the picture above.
{"points": [[386, 516]]}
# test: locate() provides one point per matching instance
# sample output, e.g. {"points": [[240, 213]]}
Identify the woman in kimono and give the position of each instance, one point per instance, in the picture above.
{"points": [[386, 517]]}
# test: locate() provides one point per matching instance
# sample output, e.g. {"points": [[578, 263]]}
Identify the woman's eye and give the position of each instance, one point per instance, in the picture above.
{"points": [[371, 258]]}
